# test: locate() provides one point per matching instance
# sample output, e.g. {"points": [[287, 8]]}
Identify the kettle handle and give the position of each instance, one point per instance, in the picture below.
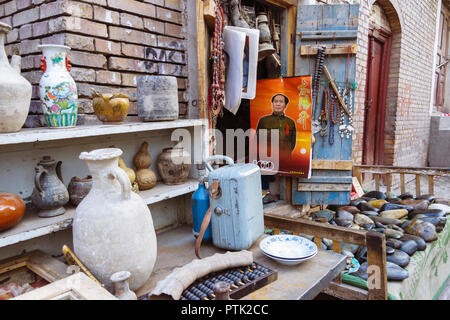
{"points": [[217, 157], [37, 178], [58, 171], [124, 181]]}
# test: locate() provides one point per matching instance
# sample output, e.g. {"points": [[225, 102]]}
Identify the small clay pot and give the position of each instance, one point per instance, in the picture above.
{"points": [[78, 189], [111, 108], [12, 209], [174, 165]]}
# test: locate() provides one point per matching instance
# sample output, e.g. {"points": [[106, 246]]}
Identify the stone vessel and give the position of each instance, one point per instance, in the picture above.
{"points": [[157, 98], [121, 286], [57, 89], [15, 90], [49, 193], [174, 165], [78, 189], [113, 227]]}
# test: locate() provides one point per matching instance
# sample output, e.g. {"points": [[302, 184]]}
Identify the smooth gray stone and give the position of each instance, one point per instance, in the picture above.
{"points": [[342, 214], [380, 230], [327, 214], [375, 194], [356, 202], [367, 199], [394, 272], [370, 213], [353, 248], [389, 250], [399, 257], [391, 233], [395, 206], [380, 225], [405, 196], [390, 195], [364, 206], [429, 197], [438, 222], [409, 246], [394, 200], [343, 223], [368, 226], [421, 244], [427, 212], [386, 221], [394, 243]]}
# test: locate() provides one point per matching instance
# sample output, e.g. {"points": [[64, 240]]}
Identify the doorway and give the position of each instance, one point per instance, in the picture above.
{"points": [[380, 44]]}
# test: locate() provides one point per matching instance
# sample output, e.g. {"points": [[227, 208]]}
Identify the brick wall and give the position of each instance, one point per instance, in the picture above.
{"points": [[407, 123], [112, 41]]}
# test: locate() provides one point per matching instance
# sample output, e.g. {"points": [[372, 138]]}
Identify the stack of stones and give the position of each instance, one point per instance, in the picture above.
{"points": [[408, 223]]}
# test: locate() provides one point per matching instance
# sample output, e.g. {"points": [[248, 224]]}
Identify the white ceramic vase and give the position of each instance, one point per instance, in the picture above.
{"points": [[15, 90], [113, 227], [57, 89]]}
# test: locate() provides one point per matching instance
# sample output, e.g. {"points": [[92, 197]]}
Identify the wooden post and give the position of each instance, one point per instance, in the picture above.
{"points": [[431, 184], [201, 52], [377, 182], [388, 182], [402, 183], [417, 185], [376, 260]]}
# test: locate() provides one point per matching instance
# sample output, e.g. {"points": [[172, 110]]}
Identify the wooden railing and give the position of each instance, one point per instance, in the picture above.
{"points": [[374, 241], [388, 172]]}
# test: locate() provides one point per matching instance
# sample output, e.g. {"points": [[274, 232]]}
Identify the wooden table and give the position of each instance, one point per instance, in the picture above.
{"points": [[300, 282]]}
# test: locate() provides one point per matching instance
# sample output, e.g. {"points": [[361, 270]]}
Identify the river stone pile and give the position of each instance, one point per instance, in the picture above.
{"points": [[407, 222]]}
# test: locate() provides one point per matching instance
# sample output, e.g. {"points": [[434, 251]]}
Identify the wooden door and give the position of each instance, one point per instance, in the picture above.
{"points": [[375, 104], [442, 59], [336, 27]]}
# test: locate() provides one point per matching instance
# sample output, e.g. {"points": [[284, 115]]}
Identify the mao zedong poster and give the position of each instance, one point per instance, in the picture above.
{"points": [[281, 121]]}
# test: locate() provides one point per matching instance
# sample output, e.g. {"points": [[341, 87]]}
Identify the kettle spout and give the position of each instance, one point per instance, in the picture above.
{"points": [[16, 63]]}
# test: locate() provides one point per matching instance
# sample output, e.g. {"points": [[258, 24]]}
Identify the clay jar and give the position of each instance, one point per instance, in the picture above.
{"points": [[111, 108], [121, 287], [174, 165], [49, 193], [113, 227], [15, 90], [78, 189], [12, 209], [145, 177]]}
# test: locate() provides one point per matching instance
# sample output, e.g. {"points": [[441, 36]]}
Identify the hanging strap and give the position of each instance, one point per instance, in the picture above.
{"points": [[214, 190]]}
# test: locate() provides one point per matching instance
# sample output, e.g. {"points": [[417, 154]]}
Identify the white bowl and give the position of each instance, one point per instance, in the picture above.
{"points": [[289, 262], [288, 247]]}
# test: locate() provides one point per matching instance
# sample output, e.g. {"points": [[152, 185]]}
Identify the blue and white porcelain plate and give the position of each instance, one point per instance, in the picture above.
{"points": [[286, 246]]}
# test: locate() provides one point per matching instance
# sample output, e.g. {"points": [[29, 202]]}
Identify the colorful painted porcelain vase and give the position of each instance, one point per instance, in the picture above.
{"points": [[57, 89], [15, 90], [113, 227]]}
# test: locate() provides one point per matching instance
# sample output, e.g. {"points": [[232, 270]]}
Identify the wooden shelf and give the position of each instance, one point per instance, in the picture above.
{"points": [[30, 135], [33, 226]]}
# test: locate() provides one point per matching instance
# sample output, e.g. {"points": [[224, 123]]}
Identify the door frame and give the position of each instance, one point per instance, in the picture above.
{"points": [[384, 37]]}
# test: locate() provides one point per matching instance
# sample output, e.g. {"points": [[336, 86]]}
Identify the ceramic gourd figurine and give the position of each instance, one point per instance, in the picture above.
{"points": [[113, 227], [142, 160], [57, 89], [49, 193], [130, 173], [15, 90]]}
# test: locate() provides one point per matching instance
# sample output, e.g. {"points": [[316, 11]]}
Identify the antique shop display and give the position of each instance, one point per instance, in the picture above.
{"points": [[157, 98], [57, 89], [145, 177], [234, 45], [240, 282], [78, 189], [49, 194], [113, 227], [237, 218], [12, 209], [15, 90], [111, 108], [181, 278], [174, 165], [121, 286]]}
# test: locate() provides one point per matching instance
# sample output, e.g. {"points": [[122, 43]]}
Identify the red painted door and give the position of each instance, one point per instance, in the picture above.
{"points": [[375, 104]]}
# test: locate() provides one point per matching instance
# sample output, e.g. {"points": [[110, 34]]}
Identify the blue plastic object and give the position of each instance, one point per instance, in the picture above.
{"points": [[200, 204]]}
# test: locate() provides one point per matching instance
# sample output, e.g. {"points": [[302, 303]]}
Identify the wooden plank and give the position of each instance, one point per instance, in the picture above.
{"points": [[310, 50], [209, 12], [337, 246], [318, 242], [376, 259], [342, 165], [388, 182], [202, 70], [326, 187], [402, 183], [357, 186], [430, 184], [377, 182], [328, 35], [327, 179], [317, 229], [345, 292], [405, 170], [418, 185]]}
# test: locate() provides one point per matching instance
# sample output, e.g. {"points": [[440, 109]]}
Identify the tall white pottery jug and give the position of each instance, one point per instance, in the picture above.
{"points": [[15, 90], [57, 89], [113, 227]]}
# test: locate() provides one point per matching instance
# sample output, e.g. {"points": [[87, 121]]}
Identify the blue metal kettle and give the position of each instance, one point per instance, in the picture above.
{"points": [[200, 204]]}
